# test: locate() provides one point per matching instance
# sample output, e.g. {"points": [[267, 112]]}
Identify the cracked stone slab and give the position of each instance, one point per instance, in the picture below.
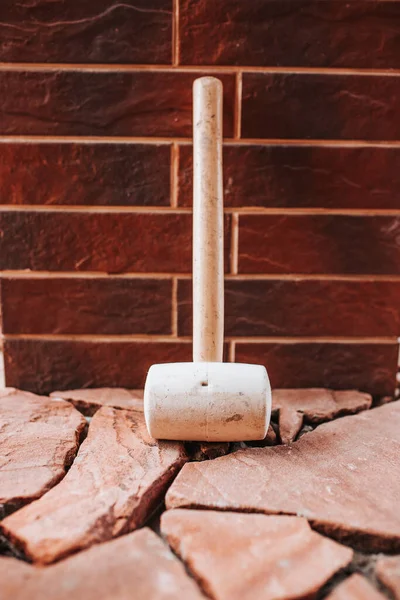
{"points": [[137, 566], [88, 401], [355, 587], [39, 439], [314, 406], [388, 573], [115, 483], [344, 477], [249, 557]]}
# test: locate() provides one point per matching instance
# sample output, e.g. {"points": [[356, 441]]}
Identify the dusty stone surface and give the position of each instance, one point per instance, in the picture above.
{"points": [[290, 423], [249, 557], [314, 406], [344, 477], [39, 439], [115, 483], [137, 566], [388, 573], [355, 587], [90, 400]]}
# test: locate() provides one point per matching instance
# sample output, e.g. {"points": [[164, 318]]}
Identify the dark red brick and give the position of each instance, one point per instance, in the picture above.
{"points": [[84, 306], [44, 366], [303, 308], [85, 174], [320, 106], [103, 103], [305, 33], [275, 176], [107, 242], [319, 244], [86, 31], [366, 367]]}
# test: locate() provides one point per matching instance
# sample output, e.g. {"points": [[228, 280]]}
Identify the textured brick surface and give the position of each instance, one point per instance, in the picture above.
{"points": [[113, 243], [71, 365], [98, 103], [293, 105], [319, 244], [367, 367], [290, 33], [85, 174], [98, 306], [302, 308], [86, 31], [275, 176]]}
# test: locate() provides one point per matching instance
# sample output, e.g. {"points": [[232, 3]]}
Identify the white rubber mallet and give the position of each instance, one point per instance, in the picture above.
{"points": [[207, 400]]}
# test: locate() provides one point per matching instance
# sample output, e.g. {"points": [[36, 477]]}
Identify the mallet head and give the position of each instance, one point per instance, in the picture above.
{"points": [[212, 402]]}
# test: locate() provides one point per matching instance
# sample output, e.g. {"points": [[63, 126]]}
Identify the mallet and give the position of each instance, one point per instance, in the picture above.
{"points": [[207, 400]]}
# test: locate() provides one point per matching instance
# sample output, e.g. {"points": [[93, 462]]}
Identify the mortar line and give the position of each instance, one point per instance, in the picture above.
{"points": [[162, 140], [153, 338], [116, 67], [64, 208], [175, 33], [175, 210], [234, 244], [174, 307], [27, 274], [295, 277], [238, 106], [231, 351], [174, 177]]}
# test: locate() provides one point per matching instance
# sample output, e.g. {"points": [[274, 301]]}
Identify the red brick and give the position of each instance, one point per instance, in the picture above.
{"points": [[319, 106], [107, 242], [290, 33], [85, 174], [303, 308], [44, 366], [84, 306], [370, 368], [135, 31], [319, 244], [103, 103], [275, 176]]}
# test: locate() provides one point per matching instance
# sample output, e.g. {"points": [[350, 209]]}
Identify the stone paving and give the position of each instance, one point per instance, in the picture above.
{"points": [[310, 512]]}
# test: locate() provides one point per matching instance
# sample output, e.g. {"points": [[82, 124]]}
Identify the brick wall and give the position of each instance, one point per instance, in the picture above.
{"points": [[95, 187]]}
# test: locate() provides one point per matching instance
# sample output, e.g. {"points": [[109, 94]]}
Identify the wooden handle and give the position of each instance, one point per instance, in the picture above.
{"points": [[208, 222]]}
